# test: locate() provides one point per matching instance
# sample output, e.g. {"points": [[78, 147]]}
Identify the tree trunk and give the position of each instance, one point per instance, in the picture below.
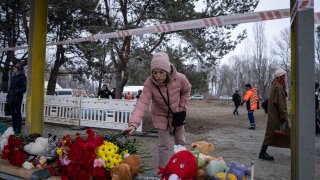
{"points": [[5, 77], [55, 70]]}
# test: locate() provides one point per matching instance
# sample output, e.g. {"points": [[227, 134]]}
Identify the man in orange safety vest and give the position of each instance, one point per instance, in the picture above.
{"points": [[252, 102]]}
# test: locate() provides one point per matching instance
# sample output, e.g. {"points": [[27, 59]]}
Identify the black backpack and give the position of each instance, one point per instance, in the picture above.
{"points": [[265, 106]]}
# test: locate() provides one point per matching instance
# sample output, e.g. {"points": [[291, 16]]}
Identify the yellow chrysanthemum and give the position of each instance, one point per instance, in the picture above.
{"points": [[59, 151], [109, 153], [125, 152]]}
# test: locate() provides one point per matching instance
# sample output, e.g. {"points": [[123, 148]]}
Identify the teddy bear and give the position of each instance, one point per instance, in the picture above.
{"points": [[181, 165], [201, 149], [127, 169]]}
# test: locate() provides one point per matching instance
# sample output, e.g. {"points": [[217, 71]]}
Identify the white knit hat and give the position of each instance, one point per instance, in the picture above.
{"points": [[161, 60], [279, 72]]}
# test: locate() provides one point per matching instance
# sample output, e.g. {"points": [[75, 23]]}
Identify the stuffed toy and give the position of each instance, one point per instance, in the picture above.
{"points": [[36, 147], [51, 151], [182, 165], [224, 176], [201, 149], [203, 146], [41, 162], [127, 169], [239, 170], [177, 148], [4, 137], [214, 167]]}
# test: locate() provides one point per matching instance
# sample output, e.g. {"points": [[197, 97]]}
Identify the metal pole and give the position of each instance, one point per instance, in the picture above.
{"points": [[36, 65], [302, 95]]}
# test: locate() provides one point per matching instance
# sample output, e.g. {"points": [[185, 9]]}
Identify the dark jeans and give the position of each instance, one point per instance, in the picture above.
{"points": [[236, 110], [251, 118], [16, 117]]}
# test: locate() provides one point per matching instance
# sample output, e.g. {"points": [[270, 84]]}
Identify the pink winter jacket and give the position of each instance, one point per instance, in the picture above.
{"points": [[179, 91]]}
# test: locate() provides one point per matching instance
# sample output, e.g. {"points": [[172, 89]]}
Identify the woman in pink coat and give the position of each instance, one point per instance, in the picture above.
{"points": [[175, 89]]}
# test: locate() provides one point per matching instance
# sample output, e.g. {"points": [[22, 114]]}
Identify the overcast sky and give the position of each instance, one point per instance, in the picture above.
{"points": [[272, 27]]}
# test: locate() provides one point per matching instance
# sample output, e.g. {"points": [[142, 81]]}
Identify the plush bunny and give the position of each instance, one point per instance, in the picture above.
{"points": [[37, 147]]}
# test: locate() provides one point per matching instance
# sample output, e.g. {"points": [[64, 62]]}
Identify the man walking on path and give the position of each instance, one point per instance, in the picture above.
{"points": [[236, 100], [251, 98]]}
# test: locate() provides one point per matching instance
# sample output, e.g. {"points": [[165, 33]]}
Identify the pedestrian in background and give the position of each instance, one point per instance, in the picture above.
{"points": [[237, 101], [128, 96], [251, 98], [17, 88], [104, 92], [168, 92], [113, 93], [278, 130], [139, 93]]}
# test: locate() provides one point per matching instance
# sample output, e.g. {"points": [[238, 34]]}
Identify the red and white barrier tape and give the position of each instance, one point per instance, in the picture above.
{"points": [[184, 25], [300, 5], [305, 4]]}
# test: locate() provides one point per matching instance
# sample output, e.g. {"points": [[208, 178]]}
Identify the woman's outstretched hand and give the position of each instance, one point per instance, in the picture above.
{"points": [[129, 130]]}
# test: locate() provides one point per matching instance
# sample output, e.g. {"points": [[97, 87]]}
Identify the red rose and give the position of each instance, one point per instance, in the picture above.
{"points": [[5, 152], [64, 177], [71, 170], [98, 141], [17, 158], [99, 173], [90, 134], [84, 175], [53, 172]]}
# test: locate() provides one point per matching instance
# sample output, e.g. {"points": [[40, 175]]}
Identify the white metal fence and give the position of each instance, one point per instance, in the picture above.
{"points": [[90, 112]]}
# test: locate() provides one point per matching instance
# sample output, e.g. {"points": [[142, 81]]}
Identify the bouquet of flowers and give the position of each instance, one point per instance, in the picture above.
{"points": [[13, 151], [89, 158], [13, 148], [281, 129]]}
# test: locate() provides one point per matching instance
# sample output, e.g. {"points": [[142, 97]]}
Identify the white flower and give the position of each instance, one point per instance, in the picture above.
{"points": [[27, 165], [4, 138]]}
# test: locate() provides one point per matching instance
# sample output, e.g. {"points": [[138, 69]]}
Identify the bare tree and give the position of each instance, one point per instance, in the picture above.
{"points": [[282, 53], [260, 61]]}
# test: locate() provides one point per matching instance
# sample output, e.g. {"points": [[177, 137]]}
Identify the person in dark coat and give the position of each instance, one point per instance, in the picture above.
{"points": [[17, 88], [237, 101], [139, 93], [113, 93], [277, 117], [104, 92]]}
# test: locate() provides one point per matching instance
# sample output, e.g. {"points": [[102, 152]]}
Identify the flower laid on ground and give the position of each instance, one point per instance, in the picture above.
{"points": [[109, 153], [13, 151], [282, 128], [90, 158]]}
